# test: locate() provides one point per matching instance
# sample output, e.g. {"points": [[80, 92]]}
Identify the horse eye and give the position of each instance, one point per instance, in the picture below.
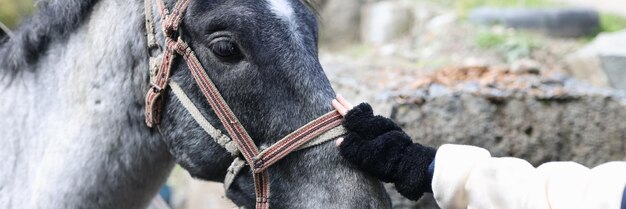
{"points": [[225, 49]]}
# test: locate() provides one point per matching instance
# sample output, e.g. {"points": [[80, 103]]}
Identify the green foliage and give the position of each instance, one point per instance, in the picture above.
{"points": [[13, 11], [608, 23], [359, 50], [463, 7], [513, 45], [612, 23], [489, 40]]}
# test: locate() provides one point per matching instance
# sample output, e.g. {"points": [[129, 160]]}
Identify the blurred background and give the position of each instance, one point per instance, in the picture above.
{"points": [[543, 80]]}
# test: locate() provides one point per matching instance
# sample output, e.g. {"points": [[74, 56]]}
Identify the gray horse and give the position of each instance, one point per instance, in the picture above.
{"points": [[73, 80]]}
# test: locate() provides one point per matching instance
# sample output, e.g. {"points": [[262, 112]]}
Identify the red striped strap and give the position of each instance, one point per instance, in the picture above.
{"points": [[225, 114], [158, 84], [173, 20], [161, 78], [229, 120], [259, 162], [234, 128], [295, 140], [268, 157], [262, 189]]}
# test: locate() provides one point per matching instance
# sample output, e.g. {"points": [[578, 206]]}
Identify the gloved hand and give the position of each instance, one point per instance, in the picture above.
{"points": [[379, 147]]}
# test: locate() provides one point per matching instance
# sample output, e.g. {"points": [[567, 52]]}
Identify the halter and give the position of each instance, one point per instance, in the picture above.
{"points": [[6, 30], [320, 130]]}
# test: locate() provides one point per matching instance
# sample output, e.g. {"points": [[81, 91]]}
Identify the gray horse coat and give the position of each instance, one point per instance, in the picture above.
{"points": [[72, 88]]}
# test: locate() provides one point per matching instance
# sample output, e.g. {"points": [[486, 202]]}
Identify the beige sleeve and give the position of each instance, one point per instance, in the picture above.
{"points": [[468, 177]]}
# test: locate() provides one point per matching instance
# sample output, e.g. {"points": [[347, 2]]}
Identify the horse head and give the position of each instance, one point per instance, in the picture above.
{"points": [[262, 56]]}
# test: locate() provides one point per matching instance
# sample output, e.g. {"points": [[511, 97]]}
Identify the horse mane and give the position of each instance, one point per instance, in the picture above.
{"points": [[54, 21]]}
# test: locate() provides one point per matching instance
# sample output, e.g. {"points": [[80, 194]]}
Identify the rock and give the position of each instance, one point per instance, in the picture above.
{"points": [[441, 22], [385, 20], [567, 122], [587, 68], [554, 22], [423, 14], [474, 62], [340, 21], [526, 66], [602, 62], [589, 129], [615, 68]]}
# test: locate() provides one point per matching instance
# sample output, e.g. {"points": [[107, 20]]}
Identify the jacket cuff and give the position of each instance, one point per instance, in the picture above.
{"points": [[454, 164]]}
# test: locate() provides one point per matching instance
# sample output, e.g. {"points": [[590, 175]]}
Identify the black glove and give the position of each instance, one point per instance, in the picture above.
{"points": [[379, 147]]}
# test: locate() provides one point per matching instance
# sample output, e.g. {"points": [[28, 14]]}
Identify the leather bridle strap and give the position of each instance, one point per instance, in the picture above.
{"points": [[263, 160], [296, 139], [227, 143], [259, 161]]}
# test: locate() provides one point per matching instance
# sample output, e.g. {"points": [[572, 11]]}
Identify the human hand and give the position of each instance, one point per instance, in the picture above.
{"points": [[361, 120], [378, 146]]}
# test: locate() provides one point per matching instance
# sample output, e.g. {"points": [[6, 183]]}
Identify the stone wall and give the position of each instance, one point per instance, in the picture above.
{"points": [[602, 62], [552, 120], [589, 130]]}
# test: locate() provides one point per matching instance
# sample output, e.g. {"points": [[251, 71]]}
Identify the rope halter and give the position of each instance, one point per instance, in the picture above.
{"points": [[318, 131]]}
